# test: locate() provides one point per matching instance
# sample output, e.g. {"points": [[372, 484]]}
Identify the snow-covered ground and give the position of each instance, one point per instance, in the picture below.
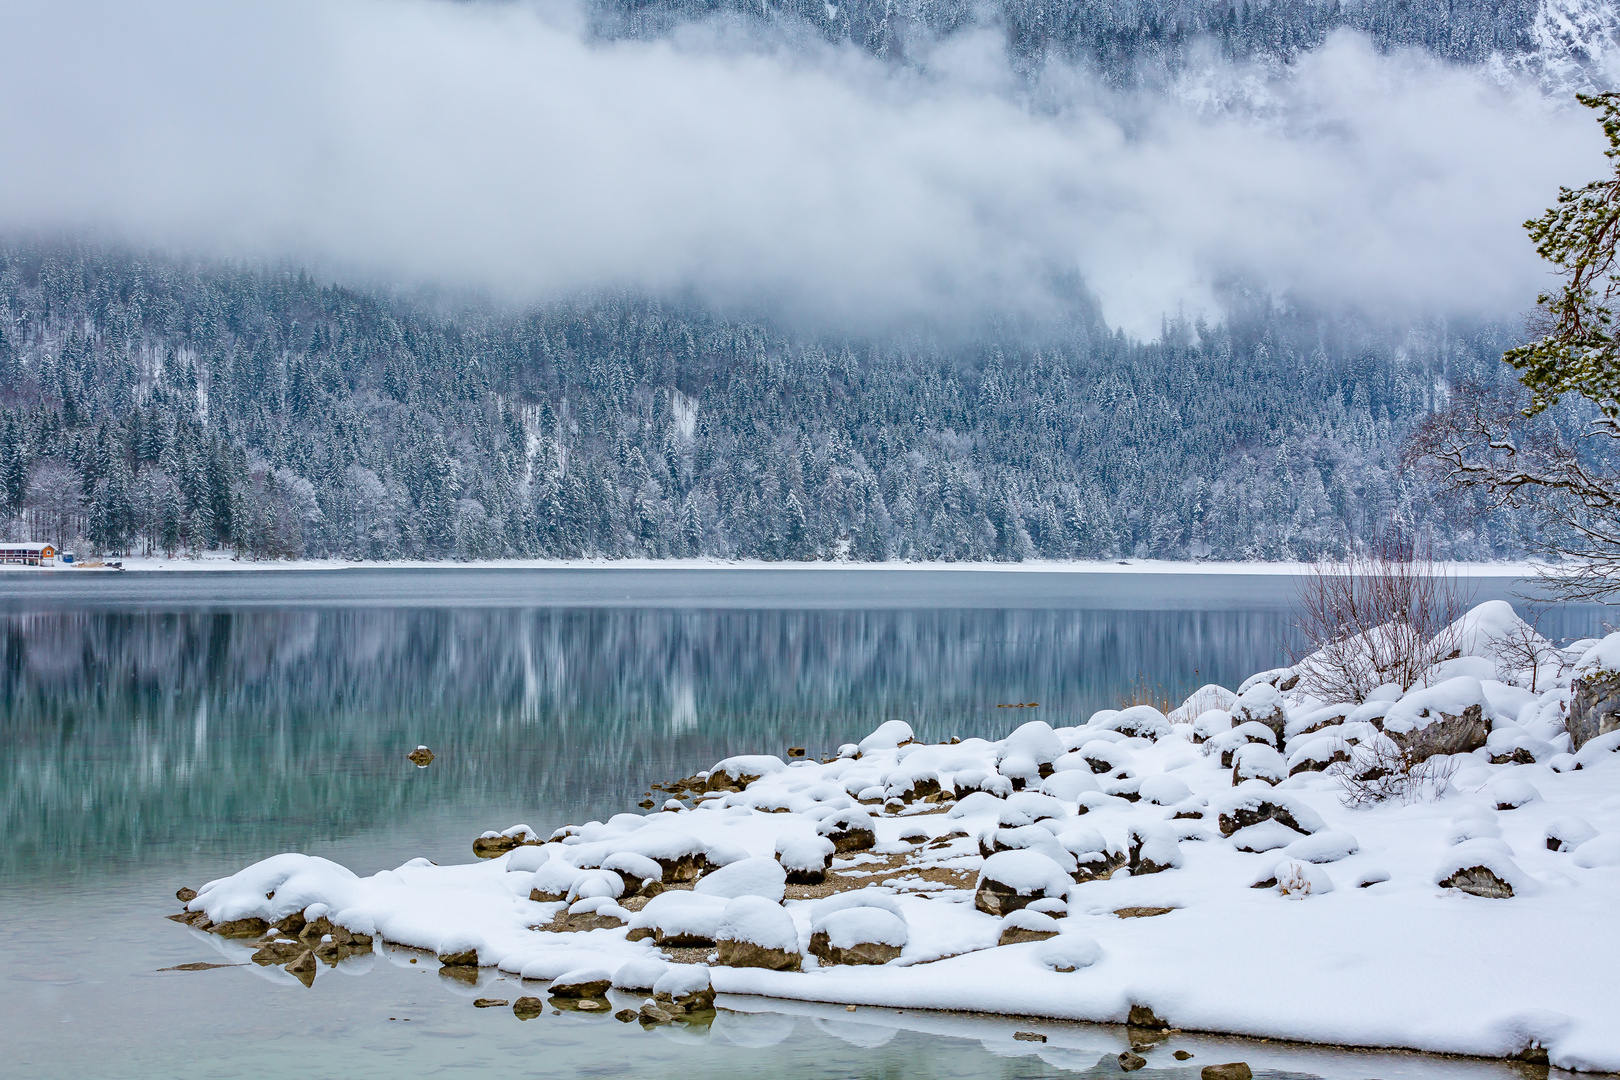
{"points": [[1203, 869], [224, 561]]}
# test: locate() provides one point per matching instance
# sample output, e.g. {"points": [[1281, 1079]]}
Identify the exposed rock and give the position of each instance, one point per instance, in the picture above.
{"points": [[679, 869], [1182, 1055], [421, 757], [239, 928], [283, 951], [463, 958], [652, 1014], [1142, 913], [1141, 1016], [1029, 1036], [489, 1003], [625, 1016], [748, 954], [995, 898], [197, 966], [1446, 735], [185, 894], [1594, 708], [1479, 881], [1013, 935], [303, 969], [795, 751], [1252, 814], [1129, 1062], [527, 1008], [566, 987], [292, 925], [493, 847], [1263, 704], [865, 952], [1232, 1070], [1097, 865], [196, 919], [700, 1000], [849, 831]]}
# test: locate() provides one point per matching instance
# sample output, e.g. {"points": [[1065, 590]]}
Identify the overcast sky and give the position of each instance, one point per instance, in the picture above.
{"points": [[493, 146]]}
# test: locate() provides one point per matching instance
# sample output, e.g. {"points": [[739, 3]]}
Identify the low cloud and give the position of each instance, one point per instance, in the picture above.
{"points": [[495, 146]]}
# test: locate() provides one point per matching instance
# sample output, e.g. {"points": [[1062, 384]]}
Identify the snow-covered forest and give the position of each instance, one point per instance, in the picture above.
{"points": [[160, 405]]}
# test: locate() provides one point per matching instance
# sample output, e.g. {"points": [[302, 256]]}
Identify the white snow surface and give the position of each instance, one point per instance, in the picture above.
{"points": [[1315, 958]]}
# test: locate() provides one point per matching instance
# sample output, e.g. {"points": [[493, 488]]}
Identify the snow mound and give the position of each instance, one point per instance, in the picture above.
{"points": [[757, 876], [888, 736], [639, 974], [1598, 851], [1568, 833], [1329, 845], [1068, 952]]}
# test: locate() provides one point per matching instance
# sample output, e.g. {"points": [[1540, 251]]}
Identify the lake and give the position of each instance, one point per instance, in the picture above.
{"points": [[162, 729]]}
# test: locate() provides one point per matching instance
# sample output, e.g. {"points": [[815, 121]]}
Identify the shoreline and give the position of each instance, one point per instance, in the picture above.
{"points": [[1101, 567]]}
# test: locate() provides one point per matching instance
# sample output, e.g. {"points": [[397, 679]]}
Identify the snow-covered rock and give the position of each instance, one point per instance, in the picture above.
{"points": [[756, 932], [1010, 880], [858, 935], [759, 876]]}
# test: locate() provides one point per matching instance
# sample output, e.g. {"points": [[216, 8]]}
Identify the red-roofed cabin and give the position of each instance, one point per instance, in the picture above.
{"points": [[27, 553]]}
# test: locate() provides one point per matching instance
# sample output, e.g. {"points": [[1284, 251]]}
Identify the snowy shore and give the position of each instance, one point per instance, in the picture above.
{"points": [[223, 561], [1201, 870]]}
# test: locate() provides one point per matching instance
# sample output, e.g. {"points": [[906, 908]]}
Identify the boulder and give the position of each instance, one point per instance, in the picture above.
{"points": [[1257, 761], [805, 859], [736, 773], [1478, 881], [1594, 707], [1130, 1062], [684, 988], [758, 932], [858, 935], [1262, 703], [277, 952], [240, 928], [459, 958], [1234, 1070], [1447, 718], [1255, 802], [1026, 925], [849, 830], [1010, 880], [581, 983], [1143, 1016]]}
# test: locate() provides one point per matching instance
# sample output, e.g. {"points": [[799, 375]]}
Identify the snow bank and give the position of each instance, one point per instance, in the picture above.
{"points": [[1070, 833]]}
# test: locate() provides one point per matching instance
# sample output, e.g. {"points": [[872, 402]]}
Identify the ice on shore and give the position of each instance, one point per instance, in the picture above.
{"points": [[1209, 865]]}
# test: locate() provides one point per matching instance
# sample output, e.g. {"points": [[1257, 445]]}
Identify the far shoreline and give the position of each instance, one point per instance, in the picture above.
{"points": [[222, 562]]}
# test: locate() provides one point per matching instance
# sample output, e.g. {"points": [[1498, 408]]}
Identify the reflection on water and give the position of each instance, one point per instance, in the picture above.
{"points": [[132, 729]]}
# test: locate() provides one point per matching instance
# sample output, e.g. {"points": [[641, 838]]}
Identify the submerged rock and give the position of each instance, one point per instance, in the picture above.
{"points": [[239, 928], [185, 894], [527, 1008], [1233, 1070]]}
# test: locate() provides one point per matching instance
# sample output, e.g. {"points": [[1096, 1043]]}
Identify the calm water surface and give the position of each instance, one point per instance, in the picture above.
{"points": [[163, 729]]}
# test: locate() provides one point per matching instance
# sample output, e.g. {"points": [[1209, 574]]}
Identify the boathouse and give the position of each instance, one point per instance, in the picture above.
{"points": [[27, 553]]}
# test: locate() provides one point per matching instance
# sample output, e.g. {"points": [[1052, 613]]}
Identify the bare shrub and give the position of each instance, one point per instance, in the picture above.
{"points": [[1376, 618], [1523, 649], [1381, 770]]}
